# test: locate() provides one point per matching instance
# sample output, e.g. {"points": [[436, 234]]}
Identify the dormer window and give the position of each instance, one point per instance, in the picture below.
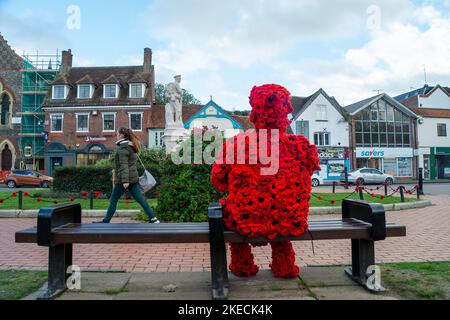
{"points": [[85, 91], [59, 92], [136, 90], [110, 91]]}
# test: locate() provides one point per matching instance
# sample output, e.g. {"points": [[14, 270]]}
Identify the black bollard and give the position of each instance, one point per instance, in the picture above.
{"points": [[420, 189], [334, 186], [91, 200], [20, 200], [402, 195], [361, 195], [385, 189]]}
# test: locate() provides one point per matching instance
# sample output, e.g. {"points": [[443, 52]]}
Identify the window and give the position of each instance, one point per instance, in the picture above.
{"points": [[5, 110], [136, 90], [302, 128], [322, 138], [94, 154], [84, 91], [404, 166], [321, 114], [59, 92], [380, 125], [110, 91], [109, 121], [83, 122], [442, 130], [136, 121], [56, 124], [159, 138]]}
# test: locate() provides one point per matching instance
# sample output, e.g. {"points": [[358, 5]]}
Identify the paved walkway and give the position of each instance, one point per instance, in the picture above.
{"points": [[316, 283], [428, 239]]}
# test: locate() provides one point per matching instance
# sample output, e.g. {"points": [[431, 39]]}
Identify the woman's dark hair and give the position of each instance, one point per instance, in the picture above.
{"points": [[129, 134]]}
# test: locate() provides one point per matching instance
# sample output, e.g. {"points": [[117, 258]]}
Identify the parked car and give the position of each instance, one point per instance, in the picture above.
{"points": [[367, 176], [316, 180], [19, 178]]}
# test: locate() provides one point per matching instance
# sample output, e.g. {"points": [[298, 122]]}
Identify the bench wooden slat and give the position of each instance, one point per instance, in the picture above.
{"points": [[194, 232]]}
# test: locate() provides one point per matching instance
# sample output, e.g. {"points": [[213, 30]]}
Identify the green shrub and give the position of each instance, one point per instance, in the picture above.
{"points": [[185, 191], [86, 178]]}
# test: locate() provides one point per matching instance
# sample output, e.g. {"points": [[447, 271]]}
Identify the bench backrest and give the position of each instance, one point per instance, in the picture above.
{"points": [[49, 218]]}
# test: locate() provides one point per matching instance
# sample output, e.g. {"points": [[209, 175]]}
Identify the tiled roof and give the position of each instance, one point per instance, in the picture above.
{"points": [[158, 114], [426, 89], [300, 104], [244, 121], [432, 113], [99, 76], [9, 60]]}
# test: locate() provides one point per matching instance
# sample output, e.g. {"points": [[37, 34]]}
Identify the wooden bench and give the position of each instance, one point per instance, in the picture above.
{"points": [[58, 228]]}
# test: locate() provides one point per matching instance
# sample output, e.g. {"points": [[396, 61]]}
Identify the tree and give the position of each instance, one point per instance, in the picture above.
{"points": [[160, 96]]}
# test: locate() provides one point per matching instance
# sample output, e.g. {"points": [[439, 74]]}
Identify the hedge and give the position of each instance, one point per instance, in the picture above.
{"points": [[86, 178]]}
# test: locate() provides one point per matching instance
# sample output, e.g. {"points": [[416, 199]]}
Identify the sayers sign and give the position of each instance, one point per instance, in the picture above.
{"points": [[384, 152]]}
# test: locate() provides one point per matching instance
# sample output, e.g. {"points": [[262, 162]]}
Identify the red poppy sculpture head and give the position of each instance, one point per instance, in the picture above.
{"points": [[271, 104]]}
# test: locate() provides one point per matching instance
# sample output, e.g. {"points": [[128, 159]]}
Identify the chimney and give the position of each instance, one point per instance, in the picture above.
{"points": [[66, 61], [147, 60]]}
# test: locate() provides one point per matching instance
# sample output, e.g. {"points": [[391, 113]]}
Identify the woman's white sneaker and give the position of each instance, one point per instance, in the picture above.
{"points": [[154, 220]]}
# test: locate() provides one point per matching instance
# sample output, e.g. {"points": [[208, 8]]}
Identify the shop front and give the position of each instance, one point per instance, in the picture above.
{"points": [[332, 162], [440, 163], [397, 162]]}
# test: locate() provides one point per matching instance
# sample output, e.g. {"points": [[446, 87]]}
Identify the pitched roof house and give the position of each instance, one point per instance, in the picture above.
{"points": [[86, 105]]}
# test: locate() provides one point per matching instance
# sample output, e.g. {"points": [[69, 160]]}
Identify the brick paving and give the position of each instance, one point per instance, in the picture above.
{"points": [[428, 239]]}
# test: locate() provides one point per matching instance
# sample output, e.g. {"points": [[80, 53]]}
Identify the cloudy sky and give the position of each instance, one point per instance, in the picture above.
{"points": [[350, 48]]}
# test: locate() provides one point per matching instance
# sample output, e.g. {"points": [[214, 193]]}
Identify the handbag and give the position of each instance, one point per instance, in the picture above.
{"points": [[146, 182]]}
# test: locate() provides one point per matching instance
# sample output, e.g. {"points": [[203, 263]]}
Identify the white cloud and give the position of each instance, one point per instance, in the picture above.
{"points": [[252, 31], [210, 36], [31, 31]]}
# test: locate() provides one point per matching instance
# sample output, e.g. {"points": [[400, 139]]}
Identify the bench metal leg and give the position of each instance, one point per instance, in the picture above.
{"points": [[59, 259], [219, 271], [363, 256]]}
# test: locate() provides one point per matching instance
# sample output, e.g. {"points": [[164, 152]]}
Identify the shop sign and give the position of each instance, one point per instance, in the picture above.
{"points": [[95, 139], [331, 153], [384, 152]]}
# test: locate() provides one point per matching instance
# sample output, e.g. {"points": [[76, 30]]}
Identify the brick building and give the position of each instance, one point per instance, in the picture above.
{"points": [[86, 105], [10, 106]]}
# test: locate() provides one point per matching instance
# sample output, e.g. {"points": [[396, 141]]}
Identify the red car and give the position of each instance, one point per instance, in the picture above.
{"points": [[19, 178]]}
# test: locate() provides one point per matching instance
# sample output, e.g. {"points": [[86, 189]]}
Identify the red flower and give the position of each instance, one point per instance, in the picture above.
{"points": [[25, 194], [14, 195], [38, 199], [332, 201], [72, 199], [84, 194], [1, 200], [127, 202], [155, 193], [382, 197], [372, 195], [97, 194], [319, 198]]}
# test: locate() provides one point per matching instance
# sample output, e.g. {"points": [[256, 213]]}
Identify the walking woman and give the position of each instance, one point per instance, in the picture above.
{"points": [[126, 176]]}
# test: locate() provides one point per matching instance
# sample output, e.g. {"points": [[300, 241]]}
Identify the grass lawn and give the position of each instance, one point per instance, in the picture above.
{"points": [[337, 197], [427, 280], [101, 204], [31, 203], [16, 284]]}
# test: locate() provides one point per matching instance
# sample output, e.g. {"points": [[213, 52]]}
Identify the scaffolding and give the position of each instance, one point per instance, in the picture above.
{"points": [[37, 73]]}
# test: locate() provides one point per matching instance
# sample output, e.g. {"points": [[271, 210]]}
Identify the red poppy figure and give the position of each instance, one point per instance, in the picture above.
{"points": [[260, 204]]}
